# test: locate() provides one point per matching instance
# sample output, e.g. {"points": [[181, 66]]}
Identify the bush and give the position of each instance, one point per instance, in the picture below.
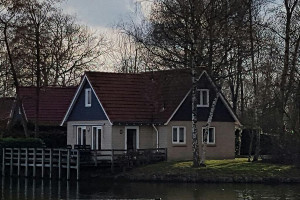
{"points": [[287, 149], [54, 139], [21, 143]]}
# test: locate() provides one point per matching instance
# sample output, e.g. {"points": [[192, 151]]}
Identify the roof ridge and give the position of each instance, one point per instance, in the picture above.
{"points": [[51, 86]]}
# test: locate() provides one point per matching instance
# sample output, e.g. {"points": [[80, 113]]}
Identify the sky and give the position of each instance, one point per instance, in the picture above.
{"points": [[103, 14]]}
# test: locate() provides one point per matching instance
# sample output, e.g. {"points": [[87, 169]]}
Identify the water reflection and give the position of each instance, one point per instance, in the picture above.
{"points": [[22, 188]]}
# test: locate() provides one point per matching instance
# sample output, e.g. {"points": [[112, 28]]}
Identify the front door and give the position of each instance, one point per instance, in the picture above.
{"points": [[131, 138]]}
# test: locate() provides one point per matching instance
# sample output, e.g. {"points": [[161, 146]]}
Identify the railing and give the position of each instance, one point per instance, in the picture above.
{"points": [[127, 158], [44, 158], [67, 158]]}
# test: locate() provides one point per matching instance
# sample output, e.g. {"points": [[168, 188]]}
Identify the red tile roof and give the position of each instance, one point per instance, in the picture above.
{"points": [[146, 97], [6, 106], [54, 103]]}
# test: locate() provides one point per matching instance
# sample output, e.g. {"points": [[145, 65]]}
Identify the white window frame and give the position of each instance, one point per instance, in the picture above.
{"points": [[81, 134], [184, 135], [97, 137], [201, 98], [88, 95], [214, 134], [137, 135]]}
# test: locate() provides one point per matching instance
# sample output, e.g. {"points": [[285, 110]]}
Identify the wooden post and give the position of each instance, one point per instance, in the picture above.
{"points": [[59, 164], [3, 161], [11, 161], [78, 164], [51, 163], [34, 162], [19, 161], [112, 161], [26, 162], [43, 162], [26, 189], [166, 154], [68, 164]]}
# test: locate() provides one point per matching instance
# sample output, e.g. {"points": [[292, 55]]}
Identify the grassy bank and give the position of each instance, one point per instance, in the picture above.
{"points": [[237, 170]]}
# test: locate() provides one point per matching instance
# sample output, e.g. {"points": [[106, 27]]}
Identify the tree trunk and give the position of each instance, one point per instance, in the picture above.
{"points": [[23, 118], [195, 144], [239, 141], [250, 146], [38, 79], [16, 81], [257, 146], [254, 79], [207, 126]]}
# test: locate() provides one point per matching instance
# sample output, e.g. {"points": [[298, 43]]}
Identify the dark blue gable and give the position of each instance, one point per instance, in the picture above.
{"points": [[81, 113], [221, 113]]}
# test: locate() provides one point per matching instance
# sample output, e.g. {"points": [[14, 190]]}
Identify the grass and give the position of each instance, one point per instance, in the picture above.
{"points": [[220, 168]]}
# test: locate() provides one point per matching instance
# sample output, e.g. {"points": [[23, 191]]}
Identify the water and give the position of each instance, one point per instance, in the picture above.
{"points": [[21, 189]]}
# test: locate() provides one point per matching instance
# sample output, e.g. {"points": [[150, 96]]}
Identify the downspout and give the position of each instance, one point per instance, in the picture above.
{"points": [[157, 143]]}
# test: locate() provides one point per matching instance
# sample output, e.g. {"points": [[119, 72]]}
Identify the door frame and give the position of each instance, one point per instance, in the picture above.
{"points": [[137, 128], [97, 139]]}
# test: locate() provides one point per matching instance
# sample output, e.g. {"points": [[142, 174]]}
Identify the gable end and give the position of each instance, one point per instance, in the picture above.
{"points": [[223, 111], [79, 112]]}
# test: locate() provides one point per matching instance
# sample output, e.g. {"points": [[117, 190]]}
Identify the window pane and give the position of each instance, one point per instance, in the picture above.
{"points": [[79, 136], [181, 134], [175, 135], [89, 96], [83, 136], [203, 135], [211, 136], [204, 97], [99, 139]]}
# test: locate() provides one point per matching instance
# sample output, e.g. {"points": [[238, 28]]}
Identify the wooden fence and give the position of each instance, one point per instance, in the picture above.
{"points": [[48, 159]]}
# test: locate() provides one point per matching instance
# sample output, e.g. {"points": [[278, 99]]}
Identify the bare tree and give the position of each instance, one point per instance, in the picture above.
{"points": [[48, 47], [7, 19]]}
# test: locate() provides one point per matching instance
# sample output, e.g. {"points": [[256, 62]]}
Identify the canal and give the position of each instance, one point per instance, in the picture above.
{"points": [[21, 189]]}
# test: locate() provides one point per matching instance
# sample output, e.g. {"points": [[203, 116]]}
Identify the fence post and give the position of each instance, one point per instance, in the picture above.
{"points": [[19, 161], [166, 154], [43, 162], [3, 161], [78, 164], [68, 164], [112, 161], [34, 162], [51, 163], [59, 164], [11, 161], [26, 162]]}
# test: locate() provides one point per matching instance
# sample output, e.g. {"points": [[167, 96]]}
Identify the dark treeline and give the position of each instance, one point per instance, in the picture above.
{"points": [[250, 48], [42, 46]]}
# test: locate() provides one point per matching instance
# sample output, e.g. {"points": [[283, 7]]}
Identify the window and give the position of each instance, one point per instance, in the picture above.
{"points": [[203, 98], [178, 135], [211, 139], [88, 97], [81, 135], [96, 137]]}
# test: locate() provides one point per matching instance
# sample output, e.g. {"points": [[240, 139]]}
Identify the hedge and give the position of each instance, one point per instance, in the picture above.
{"points": [[10, 142]]}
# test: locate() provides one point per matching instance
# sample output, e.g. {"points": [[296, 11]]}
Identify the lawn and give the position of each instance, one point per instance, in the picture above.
{"points": [[234, 168]]}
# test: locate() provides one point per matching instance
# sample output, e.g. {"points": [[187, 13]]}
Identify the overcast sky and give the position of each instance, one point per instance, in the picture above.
{"points": [[102, 13], [102, 16]]}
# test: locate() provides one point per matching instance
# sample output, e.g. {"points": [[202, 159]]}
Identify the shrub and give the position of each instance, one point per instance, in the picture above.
{"points": [[54, 139], [10, 142]]}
